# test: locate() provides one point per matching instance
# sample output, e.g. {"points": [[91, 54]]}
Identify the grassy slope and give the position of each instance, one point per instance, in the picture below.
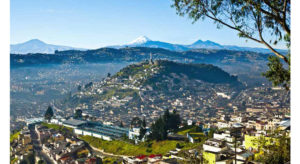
{"points": [[124, 148], [110, 160], [57, 127], [192, 132], [14, 136], [12, 161]]}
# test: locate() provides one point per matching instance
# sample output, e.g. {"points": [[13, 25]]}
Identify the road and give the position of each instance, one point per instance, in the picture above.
{"points": [[37, 146]]}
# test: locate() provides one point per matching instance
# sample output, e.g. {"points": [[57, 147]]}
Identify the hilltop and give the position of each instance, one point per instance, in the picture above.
{"points": [[150, 87]]}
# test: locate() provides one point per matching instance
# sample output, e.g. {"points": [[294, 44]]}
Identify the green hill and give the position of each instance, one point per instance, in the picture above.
{"points": [[156, 86]]}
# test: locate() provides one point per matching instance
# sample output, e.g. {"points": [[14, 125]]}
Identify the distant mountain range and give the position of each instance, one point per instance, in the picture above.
{"points": [[144, 41], [37, 46]]}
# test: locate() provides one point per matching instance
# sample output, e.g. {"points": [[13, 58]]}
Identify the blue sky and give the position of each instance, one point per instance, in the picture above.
{"points": [[98, 23]]}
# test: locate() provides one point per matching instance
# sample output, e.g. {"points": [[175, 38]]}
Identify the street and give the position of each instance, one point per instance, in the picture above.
{"points": [[37, 146]]}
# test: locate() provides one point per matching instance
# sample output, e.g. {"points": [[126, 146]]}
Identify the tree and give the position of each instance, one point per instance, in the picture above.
{"points": [[253, 20], [136, 122], [166, 118], [167, 122], [98, 160], [174, 121], [211, 133], [41, 162], [79, 88], [159, 130], [121, 124], [278, 152], [88, 85], [277, 74], [28, 159], [108, 74], [143, 129], [49, 113], [78, 114]]}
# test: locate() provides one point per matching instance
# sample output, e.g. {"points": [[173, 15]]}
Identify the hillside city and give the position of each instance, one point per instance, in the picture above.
{"points": [[145, 113], [203, 82]]}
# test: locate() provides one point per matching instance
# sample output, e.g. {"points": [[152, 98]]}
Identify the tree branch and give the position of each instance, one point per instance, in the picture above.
{"points": [[258, 21], [267, 2], [286, 28], [232, 27]]}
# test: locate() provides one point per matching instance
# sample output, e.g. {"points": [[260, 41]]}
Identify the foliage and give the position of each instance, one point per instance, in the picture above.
{"points": [[205, 72], [143, 129], [41, 162], [49, 113], [211, 133], [60, 128], [276, 153], [79, 88], [14, 160], [168, 122], [277, 74], [83, 153], [29, 159], [136, 122], [173, 121], [78, 114], [110, 160], [121, 124], [122, 93], [159, 130], [252, 19], [88, 85], [14, 136]]}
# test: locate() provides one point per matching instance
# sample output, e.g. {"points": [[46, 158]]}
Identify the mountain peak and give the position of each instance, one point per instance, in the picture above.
{"points": [[205, 44], [37, 46], [198, 42], [35, 41], [140, 40]]}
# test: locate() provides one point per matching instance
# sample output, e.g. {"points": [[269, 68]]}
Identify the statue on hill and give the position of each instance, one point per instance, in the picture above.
{"points": [[151, 60]]}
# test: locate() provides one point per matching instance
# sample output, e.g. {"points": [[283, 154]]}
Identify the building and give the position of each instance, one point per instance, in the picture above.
{"points": [[105, 132], [26, 139], [214, 145], [216, 158], [32, 121], [73, 123], [223, 136], [134, 133]]}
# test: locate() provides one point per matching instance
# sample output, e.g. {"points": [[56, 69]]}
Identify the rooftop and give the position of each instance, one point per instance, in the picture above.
{"points": [[74, 122]]}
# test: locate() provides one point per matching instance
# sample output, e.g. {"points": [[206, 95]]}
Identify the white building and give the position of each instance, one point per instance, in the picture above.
{"points": [[214, 145], [223, 136]]}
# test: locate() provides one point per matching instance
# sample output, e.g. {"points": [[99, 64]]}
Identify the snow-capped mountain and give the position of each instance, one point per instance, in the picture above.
{"points": [[144, 41], [38, 46], [140, 40]]}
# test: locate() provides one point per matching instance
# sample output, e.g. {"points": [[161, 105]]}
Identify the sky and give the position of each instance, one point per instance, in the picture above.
{"points": [[99, 23]]}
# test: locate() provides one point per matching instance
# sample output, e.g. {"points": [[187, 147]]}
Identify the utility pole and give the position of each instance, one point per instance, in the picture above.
{"points": [[235, 140], [235, 149]]}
